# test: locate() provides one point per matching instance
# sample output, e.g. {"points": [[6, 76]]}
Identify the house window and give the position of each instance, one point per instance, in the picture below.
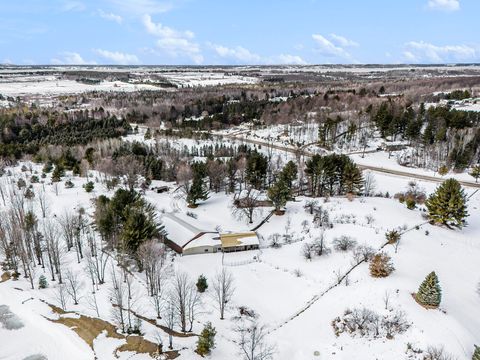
{"points": [[206, 250]]}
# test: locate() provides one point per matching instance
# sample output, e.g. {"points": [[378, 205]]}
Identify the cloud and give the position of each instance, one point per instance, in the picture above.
{"points": [[328, 48], [160, 30], [238, 54], [118, 57], [343, 41], [172, 42], [110, 16], [420, 51], [444, 5], [68, 6], [71, 58], [138, 7], [288, 59], [241, 55]]}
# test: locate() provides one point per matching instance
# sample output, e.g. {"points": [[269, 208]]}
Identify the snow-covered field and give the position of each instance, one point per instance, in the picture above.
{"points": [[14, 84], [288, 293]]}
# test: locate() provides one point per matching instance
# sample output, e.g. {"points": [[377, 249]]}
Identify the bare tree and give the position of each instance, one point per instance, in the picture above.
{"points": [[181, 290], [2, 190], [62, 296], [252, 341], [118, 295], [151, 255], [223, 287], [74, 285], [43, 201], [193, 304], [55, 249], [246, 207], [170, 318], [369, 184]]}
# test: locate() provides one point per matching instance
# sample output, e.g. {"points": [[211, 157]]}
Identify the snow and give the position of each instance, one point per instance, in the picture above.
{"points": [[289, 294], [48, 87]]}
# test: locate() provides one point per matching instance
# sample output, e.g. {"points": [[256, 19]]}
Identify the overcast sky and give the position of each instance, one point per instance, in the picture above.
{"points": [[239, 32]]}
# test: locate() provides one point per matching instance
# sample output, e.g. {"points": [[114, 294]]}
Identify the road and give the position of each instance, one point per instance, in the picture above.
{"points": [[378, 169], [238, 137]]}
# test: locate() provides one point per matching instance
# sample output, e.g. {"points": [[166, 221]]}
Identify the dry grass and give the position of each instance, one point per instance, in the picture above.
{"points": [[139, 345], [5, 277], [89, 329]]}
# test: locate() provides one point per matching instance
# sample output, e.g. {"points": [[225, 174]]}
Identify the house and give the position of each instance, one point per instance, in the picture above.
{"points": [[186, 239], [239, 241]]}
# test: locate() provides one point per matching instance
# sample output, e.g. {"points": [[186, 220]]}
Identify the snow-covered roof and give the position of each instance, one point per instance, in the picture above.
{"points": [[205, 239], [177, 233]]}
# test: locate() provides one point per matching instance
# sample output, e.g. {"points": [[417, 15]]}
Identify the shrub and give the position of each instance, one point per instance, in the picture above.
{"points": [[392, 236], [69, 184], [48, 167], [202, 284], [381, 265], [363, 322], [29, 194], [275, 240], [89, 186], [112, 183], [437, 353], [206, 340], [42, 282], [21, 183], [344, 243], [363, 253], [34, 179], [411, 204]]}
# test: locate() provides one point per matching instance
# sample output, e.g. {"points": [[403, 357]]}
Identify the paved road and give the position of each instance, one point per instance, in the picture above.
{"points": [[363, 167]]}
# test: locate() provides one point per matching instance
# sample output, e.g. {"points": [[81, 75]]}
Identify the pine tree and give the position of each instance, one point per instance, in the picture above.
{"points": [[476, 353], [278, 193], [197, 191], [429, 293], [57, 174], [381, 265], [202, 284], [475, 172], [42, 282], [447, 205], [206, 340], [352, 178]]}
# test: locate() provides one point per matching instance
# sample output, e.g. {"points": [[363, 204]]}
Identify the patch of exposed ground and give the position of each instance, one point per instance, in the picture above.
{"points": [[89, 329]]}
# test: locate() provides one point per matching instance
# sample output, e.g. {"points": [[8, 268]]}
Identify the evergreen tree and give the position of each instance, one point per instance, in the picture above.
{"points": [[352, 178], [202, 284], [140, 226], [198, 189], [42, 282], [429, 293], [289, 174], [476, 353], [447, 205], [57, 174], [475, 172], [278, 193], [256, 170], [206, 340], [89, 186]]}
